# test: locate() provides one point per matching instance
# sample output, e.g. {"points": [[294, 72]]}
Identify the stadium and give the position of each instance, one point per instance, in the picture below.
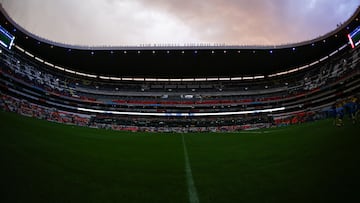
{"points": [[248, 124]]}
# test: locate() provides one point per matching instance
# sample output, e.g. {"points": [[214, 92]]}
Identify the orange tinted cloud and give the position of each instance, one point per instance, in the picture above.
{"points": [[134, 22]]}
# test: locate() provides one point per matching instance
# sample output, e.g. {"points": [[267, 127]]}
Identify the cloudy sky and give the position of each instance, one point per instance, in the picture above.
{"points": [[136, 22]]}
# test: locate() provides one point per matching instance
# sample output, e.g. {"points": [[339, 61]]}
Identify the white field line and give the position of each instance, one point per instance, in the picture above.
{"points": [[254, 132], [193, 197], [257, 132]]}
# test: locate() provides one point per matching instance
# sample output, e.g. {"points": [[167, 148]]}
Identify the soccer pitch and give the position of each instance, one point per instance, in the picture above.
{"points": [[49, 162]]}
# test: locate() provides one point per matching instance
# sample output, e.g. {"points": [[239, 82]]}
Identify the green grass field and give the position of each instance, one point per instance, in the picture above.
{"points": [[48, 162]]}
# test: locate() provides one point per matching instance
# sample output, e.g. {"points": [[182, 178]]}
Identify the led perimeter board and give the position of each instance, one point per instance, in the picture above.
{"points": [[354, 37], [6, 39]]}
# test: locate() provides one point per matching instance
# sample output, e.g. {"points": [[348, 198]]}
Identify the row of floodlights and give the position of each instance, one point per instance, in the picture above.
{"points": [[92, 52], [181, 79], [182, 52]]}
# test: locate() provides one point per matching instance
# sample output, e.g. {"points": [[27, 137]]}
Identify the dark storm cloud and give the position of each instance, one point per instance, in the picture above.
{"points": [[132, 22]]}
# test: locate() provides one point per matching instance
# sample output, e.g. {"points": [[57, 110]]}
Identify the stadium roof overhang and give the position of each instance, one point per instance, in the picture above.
{"points": [[181, 61]]}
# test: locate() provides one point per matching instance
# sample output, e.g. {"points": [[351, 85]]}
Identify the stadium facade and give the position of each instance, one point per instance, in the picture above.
{"points": [[179, 89]]}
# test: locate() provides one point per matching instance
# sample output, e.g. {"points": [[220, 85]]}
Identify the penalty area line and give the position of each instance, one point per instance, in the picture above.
{"points": [[193, 196]]}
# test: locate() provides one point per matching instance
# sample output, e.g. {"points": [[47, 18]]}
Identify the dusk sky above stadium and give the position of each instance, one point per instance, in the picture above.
{"points": [[136, 22]]}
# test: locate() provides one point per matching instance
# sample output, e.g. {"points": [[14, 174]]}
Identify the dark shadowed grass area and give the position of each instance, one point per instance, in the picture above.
{"points": [[49, 162], [314, 162]]}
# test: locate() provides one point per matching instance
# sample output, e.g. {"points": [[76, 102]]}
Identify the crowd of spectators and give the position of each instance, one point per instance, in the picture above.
{"points": [[26, 108], [295, 91], [349, 106], [343, 107], [251, 92]]}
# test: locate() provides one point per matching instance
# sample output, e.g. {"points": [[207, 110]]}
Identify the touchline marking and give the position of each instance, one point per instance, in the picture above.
{"points": [[193, 197], [256, 132]]}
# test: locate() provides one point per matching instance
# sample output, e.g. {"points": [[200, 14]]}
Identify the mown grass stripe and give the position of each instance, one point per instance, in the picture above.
{"points": [[193, 197]]}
